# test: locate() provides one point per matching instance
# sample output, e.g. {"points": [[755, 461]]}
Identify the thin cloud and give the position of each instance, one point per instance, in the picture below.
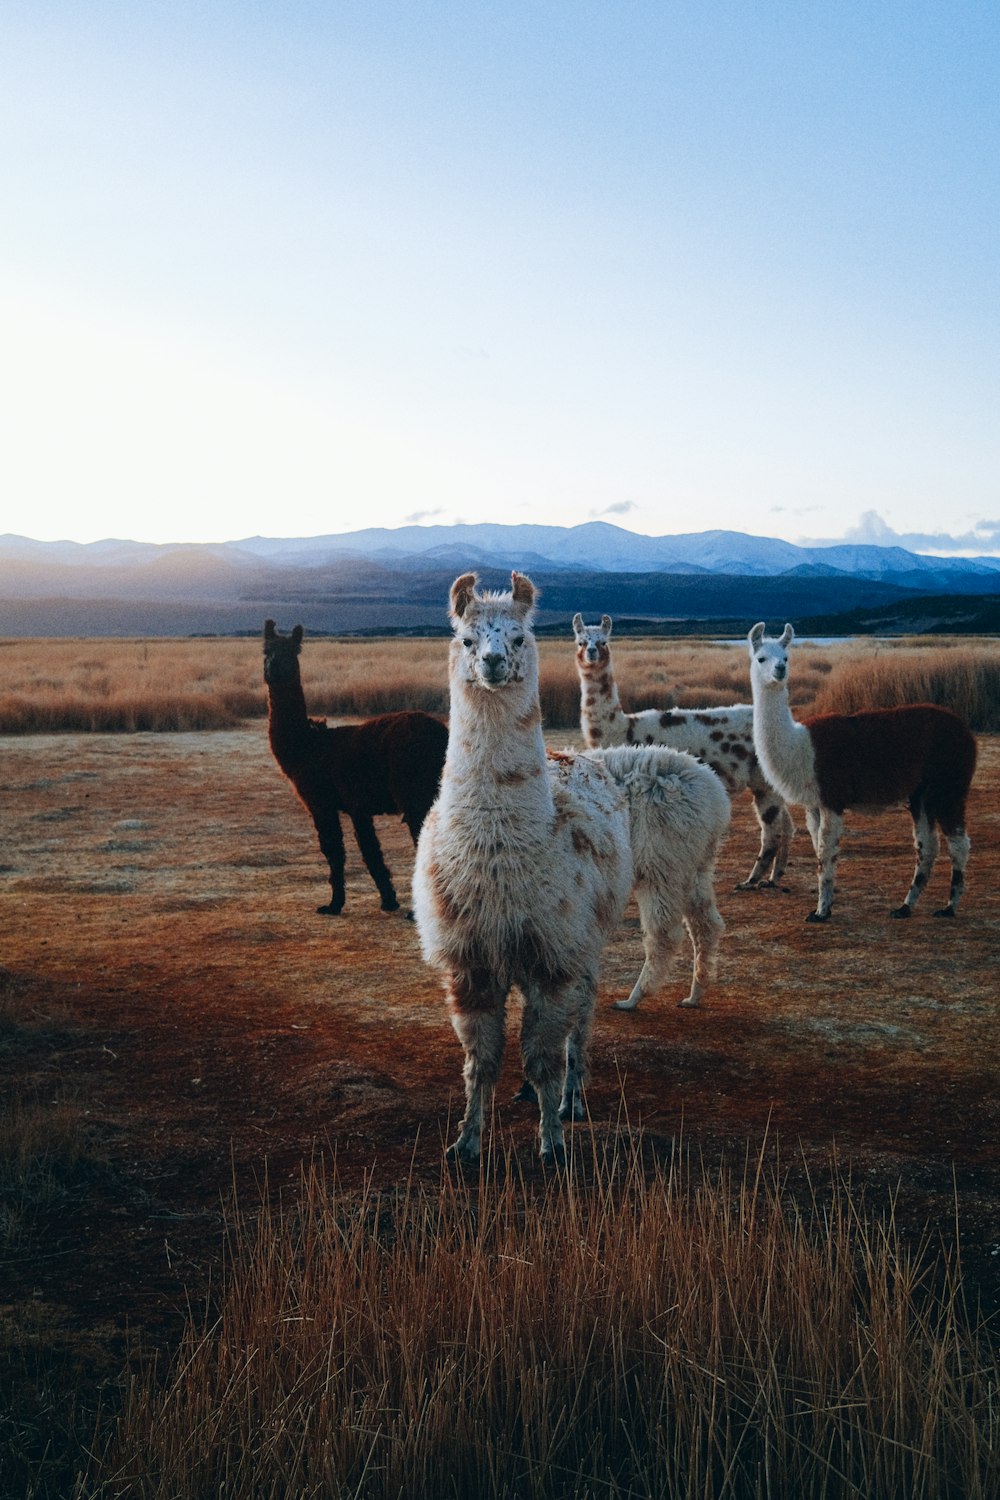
{"points": [[620, 508], [416, 517], [872, 530]]}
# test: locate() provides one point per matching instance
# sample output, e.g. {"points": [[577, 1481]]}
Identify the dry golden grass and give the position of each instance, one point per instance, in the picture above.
{"points": [[635, 1327], [963, 678], [128, 685], [131, 685]]}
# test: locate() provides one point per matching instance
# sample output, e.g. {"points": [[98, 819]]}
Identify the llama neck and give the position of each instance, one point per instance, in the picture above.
{"points": [[496, 751], [287, 720], [783, 746], [602, 719]]}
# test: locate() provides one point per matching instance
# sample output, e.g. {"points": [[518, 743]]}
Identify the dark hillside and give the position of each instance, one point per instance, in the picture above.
{"points": [[936, 614]]}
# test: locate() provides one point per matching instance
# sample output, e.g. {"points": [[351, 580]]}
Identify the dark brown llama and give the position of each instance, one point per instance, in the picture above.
{"points": [[389, 764]]}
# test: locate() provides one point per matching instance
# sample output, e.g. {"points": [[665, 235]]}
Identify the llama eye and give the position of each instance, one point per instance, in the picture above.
{"points": [[519, 640], [468, 641]]}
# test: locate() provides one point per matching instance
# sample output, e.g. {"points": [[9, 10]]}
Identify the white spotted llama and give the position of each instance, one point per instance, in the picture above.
{"points": [[523, 869], [720, 737], [678, 817]]}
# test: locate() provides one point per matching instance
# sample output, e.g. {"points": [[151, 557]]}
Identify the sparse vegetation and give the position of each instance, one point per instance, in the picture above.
{"points": [[635, 1327], [961, 678], [45, 1159], [130, 685], [41, 1136]]}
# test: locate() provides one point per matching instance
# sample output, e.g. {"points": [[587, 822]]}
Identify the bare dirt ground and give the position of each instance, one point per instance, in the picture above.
{"points": [[164, 970]]}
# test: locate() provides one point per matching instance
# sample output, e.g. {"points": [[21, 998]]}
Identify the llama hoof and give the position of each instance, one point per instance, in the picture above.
{"points": [[816, 916], [553, 1156], [901, 911], [628, 1004], [389, 903], [331, 910], [946, 911], [462, 1155], [689, 1004], [409, 916], [525, 1094], [572, 1109]]}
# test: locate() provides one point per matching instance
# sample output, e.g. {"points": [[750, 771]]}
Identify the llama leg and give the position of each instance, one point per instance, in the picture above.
{"points": [[477, 1014], [829, 827], [705, 927], [331, 842], [925, 841], [371, 853], [775, 837], [812, 824], [958, 849], [785, 833], [577, 1051], [554, 1033], [662, 934], [414, 815]]}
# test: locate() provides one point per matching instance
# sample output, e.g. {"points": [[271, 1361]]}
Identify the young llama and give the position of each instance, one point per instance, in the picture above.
{"points": [[523, 869], [720, 737], [678, 817], [918, 753], [389, 764]]}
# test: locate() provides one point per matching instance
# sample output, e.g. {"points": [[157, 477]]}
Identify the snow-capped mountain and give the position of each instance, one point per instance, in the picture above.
{"points": [[594, 546]]}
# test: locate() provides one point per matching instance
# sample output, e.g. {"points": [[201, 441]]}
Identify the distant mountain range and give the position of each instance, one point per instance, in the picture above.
{"points": [[382, 580]]}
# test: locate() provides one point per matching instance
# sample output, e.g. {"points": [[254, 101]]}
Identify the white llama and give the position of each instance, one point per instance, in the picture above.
{"points": [[720, 737], [918, 754], [523, 868], [678, 817]]}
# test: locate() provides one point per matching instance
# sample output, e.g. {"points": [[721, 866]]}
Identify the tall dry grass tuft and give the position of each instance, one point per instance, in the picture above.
{"points": [[631, 1328], [128, 685], [965, 680]]}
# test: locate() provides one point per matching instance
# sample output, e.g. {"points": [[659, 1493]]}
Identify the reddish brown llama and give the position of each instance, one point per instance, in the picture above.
{"points": [[917, 754], [389, 764]]}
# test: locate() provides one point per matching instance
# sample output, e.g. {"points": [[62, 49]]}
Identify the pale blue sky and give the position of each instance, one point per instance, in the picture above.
{"points": [[293, 268]]}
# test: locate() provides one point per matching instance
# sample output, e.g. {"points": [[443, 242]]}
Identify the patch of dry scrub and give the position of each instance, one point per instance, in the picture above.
{"points": [[633, 1327], [132, 685], [964, 679]]}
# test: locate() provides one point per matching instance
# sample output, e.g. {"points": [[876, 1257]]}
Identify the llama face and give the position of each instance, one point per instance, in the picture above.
{"points": [[592, 649], [493, 644], [281, 653], [769, 656]]}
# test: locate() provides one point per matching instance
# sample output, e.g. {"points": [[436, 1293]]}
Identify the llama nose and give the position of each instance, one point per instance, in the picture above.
{"points": [[780, 671], [493, 662]]}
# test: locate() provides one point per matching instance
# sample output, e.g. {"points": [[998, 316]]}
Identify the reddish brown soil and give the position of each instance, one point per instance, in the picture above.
{"points": [[166, 969]]}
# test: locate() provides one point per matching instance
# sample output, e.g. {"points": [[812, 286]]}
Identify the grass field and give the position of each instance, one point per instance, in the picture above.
{"points": [[133, 685], [233, 1264]]}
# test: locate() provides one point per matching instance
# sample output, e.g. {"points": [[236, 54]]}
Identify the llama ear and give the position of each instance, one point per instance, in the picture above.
{"points": [[787, 636], [269, 631], [578, 625], [524, 593], [756, 635], [297, 635], [606, 624], [462, 594]]}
